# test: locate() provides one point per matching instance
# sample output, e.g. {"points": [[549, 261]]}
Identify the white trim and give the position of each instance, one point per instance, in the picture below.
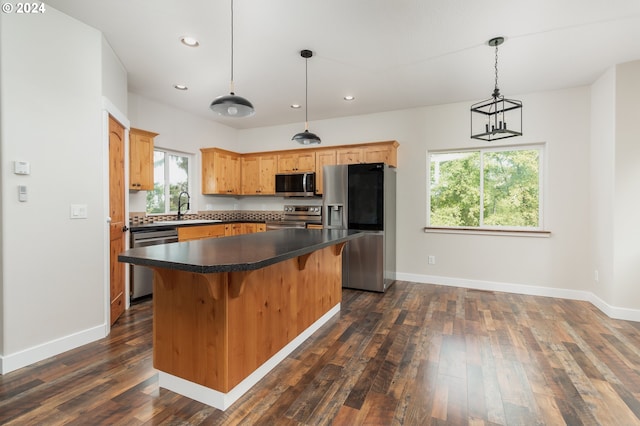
{"points": [[221, 400], [613, 312], [486, 231], [9, 363]]}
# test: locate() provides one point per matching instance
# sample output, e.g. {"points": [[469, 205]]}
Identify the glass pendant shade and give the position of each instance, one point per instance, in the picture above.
{"points": [[232, 105]]}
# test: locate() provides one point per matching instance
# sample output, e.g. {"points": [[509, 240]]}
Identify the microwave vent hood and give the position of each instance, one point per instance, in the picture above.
{"points": [[296, 184]]}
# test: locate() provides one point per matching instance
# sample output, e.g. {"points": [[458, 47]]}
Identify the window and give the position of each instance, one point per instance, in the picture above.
{"points": [[171, 171], [499, 188]]}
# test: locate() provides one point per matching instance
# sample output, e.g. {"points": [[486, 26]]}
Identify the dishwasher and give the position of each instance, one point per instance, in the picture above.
{"points": [[142, 277]]}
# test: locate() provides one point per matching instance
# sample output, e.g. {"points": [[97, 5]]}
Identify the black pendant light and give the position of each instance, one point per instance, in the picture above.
{"points": [[489, 118], [306, 137], [232, 105]]}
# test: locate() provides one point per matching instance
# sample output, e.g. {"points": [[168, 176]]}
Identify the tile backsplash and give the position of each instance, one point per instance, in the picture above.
{"points": [[141, 218]]}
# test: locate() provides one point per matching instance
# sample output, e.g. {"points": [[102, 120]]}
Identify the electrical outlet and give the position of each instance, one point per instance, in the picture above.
{"points": [[432, 260], [595, 275]]}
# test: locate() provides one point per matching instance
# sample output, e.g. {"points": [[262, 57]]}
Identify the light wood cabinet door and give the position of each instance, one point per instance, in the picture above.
{"points": [[249, 228], [268, 165], [349, 155], [232, 229], [221, 173], [188, 233], [141, 159], [323, 158], [297, 162], [258, 175], [381, 154], [378, 153]]}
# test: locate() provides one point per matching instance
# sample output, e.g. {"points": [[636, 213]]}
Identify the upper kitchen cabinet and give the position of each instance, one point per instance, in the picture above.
{"points": [[297, 161], [220, 172], [258, 174], [325, 157], [141, 159], [381, 152]]}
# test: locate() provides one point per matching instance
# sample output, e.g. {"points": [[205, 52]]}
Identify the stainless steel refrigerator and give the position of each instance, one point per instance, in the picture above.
{"points": [[363, 197]]}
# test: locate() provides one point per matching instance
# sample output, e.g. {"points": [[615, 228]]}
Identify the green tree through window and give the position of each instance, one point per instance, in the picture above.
{"points": [[497, 188], [170, 178]]}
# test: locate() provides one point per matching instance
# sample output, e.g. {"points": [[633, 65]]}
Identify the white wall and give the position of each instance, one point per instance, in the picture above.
{"points": [[114, 78], [52, 275], [615, 157], [602, 170], [184, 132], [626, 197]]}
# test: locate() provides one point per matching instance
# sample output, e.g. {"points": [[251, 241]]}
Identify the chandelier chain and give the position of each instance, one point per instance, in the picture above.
{"points": [[496, 91]]}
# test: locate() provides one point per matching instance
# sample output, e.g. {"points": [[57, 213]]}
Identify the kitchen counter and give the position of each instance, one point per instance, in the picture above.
{"points": [[172, 224], [227, 310], [236, 253]]}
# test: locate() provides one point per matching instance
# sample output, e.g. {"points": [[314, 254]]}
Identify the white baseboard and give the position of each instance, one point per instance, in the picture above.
{"points": [[55, 347], [611, 311]]}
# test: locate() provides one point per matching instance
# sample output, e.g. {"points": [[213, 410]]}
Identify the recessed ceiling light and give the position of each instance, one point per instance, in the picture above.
{"points": [[295, 106], [189, 41], [349, 98], [180, 87]]}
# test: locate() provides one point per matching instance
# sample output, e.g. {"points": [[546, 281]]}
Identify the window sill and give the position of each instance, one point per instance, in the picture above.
{"points": [[497, 232]]}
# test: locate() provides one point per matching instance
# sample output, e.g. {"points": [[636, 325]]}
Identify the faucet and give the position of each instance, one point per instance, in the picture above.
{"points": [[180, 203]]}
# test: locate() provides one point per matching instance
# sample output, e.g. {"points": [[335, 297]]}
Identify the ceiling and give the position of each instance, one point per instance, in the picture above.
{"points": [[389, 54]]}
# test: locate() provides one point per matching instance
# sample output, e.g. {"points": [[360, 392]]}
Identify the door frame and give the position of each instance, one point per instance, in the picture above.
{"points": [[109, 109]]}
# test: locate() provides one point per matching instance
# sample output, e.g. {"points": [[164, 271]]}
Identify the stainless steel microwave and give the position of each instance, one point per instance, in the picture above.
{"points": [[296, 184]]}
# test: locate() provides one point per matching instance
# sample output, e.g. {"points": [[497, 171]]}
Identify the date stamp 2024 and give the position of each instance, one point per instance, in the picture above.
{"points": [[24, 8]]}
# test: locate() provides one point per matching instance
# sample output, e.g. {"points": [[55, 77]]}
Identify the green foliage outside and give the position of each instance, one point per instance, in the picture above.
{"points": [[510, 189], [178, 169]]}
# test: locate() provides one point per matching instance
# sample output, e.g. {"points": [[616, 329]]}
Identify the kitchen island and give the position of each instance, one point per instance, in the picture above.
{"points": [[226, 311]]}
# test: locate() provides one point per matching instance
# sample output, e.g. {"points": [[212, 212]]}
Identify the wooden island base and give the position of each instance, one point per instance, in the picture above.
{"points": [[217, 334]]}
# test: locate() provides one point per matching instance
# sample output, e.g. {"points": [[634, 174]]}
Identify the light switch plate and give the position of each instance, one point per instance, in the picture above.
{"points": [[21, 167], [78, 211]]}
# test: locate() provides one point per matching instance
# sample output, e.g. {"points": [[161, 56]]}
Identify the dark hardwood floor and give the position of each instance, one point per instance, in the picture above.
{"points": [[420, 354]]}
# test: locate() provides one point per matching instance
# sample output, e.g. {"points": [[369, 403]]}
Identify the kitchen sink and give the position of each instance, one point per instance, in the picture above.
{"points": [[187, 221]]}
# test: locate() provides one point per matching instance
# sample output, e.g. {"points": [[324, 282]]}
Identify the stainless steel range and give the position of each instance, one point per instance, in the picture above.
{"points": [[298, 217]]}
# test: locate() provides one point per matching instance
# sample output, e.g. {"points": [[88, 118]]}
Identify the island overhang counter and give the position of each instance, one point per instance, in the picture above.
{"points": [[227, 310]]}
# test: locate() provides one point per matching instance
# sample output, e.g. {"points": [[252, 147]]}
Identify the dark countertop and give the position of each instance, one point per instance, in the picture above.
{"points": [[237, 253]]}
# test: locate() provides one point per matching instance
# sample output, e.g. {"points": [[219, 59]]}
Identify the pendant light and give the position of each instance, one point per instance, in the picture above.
{"points": [[306, 137], [232, 105], [497, 117]]}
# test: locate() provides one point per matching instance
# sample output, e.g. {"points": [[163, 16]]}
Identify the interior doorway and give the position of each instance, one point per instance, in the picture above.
{"points": [[117, 214]]}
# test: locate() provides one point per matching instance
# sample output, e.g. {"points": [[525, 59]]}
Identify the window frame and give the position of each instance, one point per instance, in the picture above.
{"points": [[493, 229], [167, 191]]}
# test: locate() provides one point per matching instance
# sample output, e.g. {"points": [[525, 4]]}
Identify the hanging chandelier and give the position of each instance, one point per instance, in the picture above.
{"points": [[232, 105], [497, 117], [306, 137]]}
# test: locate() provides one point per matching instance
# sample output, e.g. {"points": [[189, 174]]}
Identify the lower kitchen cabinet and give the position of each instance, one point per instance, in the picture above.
{"points": [[188, 233], [199, 232], [232, 229]]}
